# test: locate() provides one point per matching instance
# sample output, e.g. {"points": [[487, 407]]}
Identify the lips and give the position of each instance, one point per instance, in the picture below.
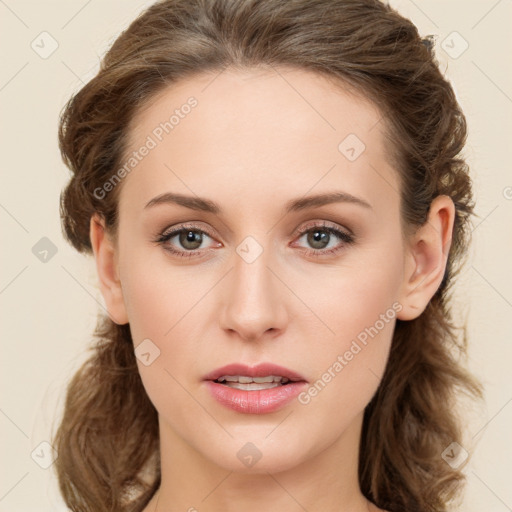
{"points": [[260, 370]]}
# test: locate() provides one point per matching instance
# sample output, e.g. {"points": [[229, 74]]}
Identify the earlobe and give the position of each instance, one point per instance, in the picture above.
{"points": [[106, 266], [426, 258]]}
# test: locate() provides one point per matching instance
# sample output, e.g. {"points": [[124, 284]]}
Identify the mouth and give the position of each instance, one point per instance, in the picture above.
{"points": [[252, 383], [260, 389], [254, 378]]}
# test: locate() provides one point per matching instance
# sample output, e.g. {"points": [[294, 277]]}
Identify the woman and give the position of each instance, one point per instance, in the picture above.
{"points": [[275, 200]]}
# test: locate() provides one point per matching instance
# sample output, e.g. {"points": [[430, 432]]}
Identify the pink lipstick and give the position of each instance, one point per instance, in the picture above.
{"points": [[259, 389]]}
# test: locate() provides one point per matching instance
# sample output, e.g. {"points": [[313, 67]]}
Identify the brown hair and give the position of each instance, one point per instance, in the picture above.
{"points": [[108, 439]]}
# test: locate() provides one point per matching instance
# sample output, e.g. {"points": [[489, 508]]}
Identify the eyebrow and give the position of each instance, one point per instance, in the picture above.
{"points": [[206, 205]]}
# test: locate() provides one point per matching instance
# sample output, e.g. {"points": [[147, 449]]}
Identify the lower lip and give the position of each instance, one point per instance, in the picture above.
{"points": [[259, 401]]}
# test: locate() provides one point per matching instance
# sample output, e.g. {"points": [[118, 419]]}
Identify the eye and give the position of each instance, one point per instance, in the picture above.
{"points": [[186, 241], [189, 237], [320, 236]]}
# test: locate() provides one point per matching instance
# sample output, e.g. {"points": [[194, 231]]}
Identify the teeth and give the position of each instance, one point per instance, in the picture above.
{"points": [[270, 378], [252, 386], [242, 379]]}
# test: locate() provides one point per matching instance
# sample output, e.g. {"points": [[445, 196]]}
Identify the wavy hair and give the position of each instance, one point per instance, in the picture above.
{"points": [[107, 439]]}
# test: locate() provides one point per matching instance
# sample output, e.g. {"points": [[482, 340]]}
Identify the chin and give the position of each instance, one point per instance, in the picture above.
{"points": [[257, 454]]}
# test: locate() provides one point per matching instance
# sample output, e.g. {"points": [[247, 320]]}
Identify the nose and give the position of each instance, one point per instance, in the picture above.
{"points": [[253, 300]]}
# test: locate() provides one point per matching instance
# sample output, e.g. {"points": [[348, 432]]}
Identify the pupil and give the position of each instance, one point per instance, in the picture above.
{"points": [[319, 237], [190, 237]]}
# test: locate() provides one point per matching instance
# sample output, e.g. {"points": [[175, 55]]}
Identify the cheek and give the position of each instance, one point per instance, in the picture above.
{"points": [[159, 310], [360, 306], [156, 296], [165, 305], [355, 296]]}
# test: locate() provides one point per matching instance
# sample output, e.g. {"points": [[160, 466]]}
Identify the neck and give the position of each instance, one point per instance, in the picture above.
{"points": [[327, 481]]}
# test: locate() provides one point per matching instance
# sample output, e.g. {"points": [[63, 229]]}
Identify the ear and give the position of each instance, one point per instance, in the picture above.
{"points": [[106, 265], [426, 258]]}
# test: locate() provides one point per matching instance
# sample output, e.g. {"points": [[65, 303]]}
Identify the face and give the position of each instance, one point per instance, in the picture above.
{"points": [[265, 276]]}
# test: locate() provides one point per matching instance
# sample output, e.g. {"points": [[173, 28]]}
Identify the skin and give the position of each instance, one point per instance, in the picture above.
{"points": [[252, 144]]}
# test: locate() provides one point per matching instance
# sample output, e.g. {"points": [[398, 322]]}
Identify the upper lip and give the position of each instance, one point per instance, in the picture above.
{"points": [[259, 370]]}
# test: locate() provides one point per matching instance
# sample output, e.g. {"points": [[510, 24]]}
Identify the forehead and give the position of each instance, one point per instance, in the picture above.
{"points": [[257, 131]]}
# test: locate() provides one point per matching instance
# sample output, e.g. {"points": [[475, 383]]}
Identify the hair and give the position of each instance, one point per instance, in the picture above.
{"points": [[108, 439]]}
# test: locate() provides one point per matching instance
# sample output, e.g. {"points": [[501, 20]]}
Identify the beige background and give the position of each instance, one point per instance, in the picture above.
{"points": [[49, 308]]}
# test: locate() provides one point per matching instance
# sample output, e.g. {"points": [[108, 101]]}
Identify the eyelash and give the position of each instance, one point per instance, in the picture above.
{"points": [[346, 238]]}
